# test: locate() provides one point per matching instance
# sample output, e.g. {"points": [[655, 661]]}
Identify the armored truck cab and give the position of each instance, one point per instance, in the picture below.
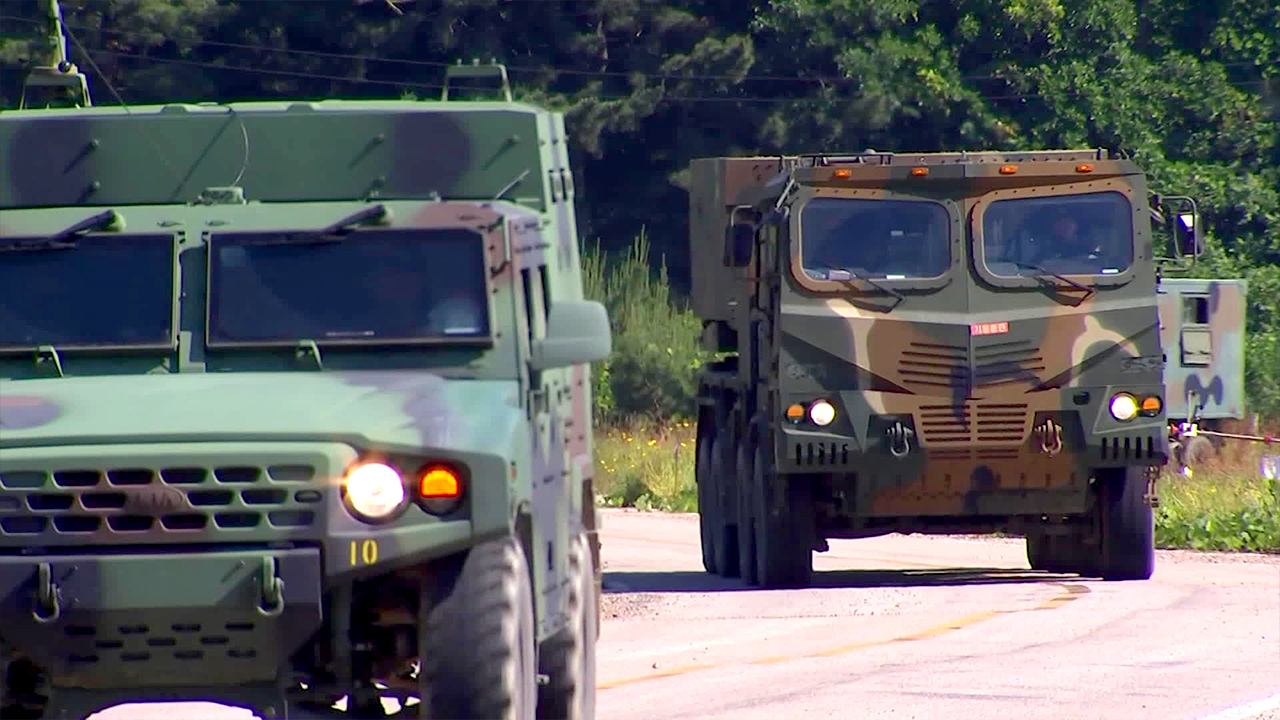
{"points": [[944, 342], [295, 400]]}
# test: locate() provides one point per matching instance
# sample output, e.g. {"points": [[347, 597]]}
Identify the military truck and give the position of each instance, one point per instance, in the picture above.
{"points": [[1202, 327], [957, 342], [295, 407]]}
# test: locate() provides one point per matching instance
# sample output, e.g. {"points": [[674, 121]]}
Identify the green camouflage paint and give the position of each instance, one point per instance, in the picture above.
{"points": [[156, 484], [967, 397]]}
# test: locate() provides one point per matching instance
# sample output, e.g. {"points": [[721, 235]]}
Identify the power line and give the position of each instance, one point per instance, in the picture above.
{"points": [[437, 64]]}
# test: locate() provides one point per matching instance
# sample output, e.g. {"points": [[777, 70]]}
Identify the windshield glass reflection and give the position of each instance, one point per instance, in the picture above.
{"points": [[889, 239], [372, 286], [1088, 234], [104, 291]]}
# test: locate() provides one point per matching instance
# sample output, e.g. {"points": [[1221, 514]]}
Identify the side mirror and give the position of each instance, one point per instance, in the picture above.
{"points": [[739, 241], [1186, 228], [1182, 221], [577, 332]]}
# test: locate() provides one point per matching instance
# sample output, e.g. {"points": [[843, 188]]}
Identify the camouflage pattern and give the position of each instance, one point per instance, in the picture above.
{"points": [[158, 483], [1202, 329], [994, 391]]}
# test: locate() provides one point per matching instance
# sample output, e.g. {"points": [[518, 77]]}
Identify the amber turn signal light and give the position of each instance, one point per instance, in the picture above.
{"points": [[842, 174], [439, 482], [1151, 405]]}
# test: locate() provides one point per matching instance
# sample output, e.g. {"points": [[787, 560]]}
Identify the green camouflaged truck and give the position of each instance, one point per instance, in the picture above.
{"points": [[294, 404], [936, 342]]}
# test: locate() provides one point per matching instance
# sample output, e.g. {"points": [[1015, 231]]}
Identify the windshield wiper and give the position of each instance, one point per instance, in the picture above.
{"points": [[334, 232], [860, 274], [64, 240], [1087, 290]]}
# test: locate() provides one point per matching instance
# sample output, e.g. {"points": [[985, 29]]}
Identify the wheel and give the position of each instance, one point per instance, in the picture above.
{"points": [[726, 533], [784, 524], [476, 639], [20, 690], [568, 659], [1126, 525], [1197, 450], [708, 512], [1055, 553], [746, 528]]}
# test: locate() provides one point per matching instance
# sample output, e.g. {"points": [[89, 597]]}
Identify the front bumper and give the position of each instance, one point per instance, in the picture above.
{"points": [[148, 620]]}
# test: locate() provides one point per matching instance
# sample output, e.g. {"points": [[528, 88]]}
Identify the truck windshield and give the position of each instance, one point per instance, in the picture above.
{"points": [[1089, 234], [99, 290], [889, 239], [369, 286]]}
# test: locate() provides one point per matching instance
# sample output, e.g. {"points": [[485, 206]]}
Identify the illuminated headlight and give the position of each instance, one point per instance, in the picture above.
{"points": [[374, 491], [822, 413], [1124, 407]]}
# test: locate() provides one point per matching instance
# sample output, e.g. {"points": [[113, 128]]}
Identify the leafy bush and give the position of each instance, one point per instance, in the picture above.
{"points": [[652, 371]]}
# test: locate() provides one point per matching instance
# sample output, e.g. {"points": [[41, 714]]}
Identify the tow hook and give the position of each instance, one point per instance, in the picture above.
{"points": [[899, 439], [271, 603], [1050, 434], [46, 608]]}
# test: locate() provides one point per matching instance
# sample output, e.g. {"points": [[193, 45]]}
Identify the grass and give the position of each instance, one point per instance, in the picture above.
{"points": [[1225, 505]]}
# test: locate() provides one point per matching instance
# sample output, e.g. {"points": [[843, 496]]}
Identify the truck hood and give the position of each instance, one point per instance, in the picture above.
{"points": [[408, 408]]}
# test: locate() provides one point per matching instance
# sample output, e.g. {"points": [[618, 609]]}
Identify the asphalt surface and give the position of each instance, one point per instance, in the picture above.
{"points": [[917, 627]]}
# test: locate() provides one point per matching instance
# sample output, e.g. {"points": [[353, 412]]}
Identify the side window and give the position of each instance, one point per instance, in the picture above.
{"points": [[1196, 335]]}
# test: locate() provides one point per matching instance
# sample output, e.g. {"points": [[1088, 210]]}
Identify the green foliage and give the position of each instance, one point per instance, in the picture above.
{"points": [[652, 369], [1220, 509], [647, 465]]}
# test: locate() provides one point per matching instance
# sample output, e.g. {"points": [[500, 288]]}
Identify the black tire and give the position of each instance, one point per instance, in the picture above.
{"points": [[1196, 451], [726, 533], [746, 528], [783, 524], [1056, 553], [709, 514], [1126, 525], [568, 658], [476, 641]]}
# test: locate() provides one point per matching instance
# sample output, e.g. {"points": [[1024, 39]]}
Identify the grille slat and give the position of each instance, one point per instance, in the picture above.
{"points": [[186, 502], [974, 422]]}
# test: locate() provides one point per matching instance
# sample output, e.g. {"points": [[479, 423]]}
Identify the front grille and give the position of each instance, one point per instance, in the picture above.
{"points": [[181, 502], [178, 642], [935, 365], [1005, 363], [1003, 423]]}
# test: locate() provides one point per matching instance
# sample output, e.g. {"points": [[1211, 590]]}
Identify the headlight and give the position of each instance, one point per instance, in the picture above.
{"points": [[1124, 407], [822, 413], [375, 490]]}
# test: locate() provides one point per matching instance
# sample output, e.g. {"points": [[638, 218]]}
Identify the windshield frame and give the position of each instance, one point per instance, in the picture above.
{"points": [[1034, 279], [168, 345], [485, 341], [955, 233]]}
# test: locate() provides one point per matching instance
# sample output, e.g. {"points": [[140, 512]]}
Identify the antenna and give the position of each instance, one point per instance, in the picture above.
{"points": [[59, 83]]}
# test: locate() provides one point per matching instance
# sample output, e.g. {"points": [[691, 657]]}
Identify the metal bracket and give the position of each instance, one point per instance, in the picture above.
{"points": [[1050, 434], [271, 603], [900, 439], [48, 353], [308, 348], [47, 608]]}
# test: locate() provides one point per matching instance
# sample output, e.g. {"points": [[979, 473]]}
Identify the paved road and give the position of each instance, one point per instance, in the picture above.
{"points": [[918, 627], [931, 627]]}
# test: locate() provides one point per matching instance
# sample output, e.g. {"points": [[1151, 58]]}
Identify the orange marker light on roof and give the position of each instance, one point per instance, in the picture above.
{"points": [[1084, 167], [1008, 169], [920, 171], [439, 482], [842, 174]]}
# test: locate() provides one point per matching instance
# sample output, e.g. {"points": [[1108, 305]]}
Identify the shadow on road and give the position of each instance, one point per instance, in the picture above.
{"points": [[685, 581]]}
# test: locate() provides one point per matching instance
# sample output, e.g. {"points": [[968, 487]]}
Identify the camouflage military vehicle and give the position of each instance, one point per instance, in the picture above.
{"points": [[936, 343], [294, 402], [1202, 326]]}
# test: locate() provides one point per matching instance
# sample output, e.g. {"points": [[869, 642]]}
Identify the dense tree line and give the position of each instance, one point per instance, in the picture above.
{"points": [[1191, 89]]}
